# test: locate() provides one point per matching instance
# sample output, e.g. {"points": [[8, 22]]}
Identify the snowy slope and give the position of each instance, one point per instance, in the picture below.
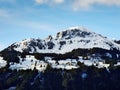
{"points": [[66, 41]]}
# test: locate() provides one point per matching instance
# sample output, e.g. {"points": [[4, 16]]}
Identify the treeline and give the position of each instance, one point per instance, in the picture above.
{"points": [[12, 56], [94, 52]]}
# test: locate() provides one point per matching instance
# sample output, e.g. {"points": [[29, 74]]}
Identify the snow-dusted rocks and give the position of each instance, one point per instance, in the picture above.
{"points": [[3, 63]]}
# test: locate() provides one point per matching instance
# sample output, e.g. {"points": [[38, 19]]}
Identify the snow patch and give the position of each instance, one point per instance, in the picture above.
{"points": [[95, 62], [84, 75], [67, 64], [118, 64], [3, 63]]}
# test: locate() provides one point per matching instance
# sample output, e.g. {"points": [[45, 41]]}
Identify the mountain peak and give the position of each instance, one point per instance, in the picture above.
{"points": [[81, 28], [73, 32]]}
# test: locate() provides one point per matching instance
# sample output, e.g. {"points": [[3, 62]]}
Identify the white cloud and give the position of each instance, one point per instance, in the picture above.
{"points": [[86, 4], [49, 1], [58, 1], [40, 1], [81, 4]]}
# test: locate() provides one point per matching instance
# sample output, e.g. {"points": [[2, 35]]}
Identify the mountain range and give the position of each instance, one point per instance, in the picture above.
{"points": [[65, 41]]}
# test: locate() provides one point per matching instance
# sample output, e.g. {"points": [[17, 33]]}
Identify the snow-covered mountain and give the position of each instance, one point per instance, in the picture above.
{"points": [[70, 46], [65, 41], [74, 59]]}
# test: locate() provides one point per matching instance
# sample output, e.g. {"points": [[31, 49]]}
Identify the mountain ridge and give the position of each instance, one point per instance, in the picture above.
{"points": [[72, 38]]}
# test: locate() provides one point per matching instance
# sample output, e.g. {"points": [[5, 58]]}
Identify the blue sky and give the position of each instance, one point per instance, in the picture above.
{"points": [[21, 19]]}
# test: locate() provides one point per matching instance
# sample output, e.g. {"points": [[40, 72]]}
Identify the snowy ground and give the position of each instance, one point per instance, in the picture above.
{"points": [[30, 63], [118, 64], [3, 63], [97, 63], [63, 64]]}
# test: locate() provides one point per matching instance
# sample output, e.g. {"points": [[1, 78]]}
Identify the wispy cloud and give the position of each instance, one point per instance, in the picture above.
{"points": [[13, 20], [86, 4], [27, 24], [33, 25], [40, 1], [74, 4], [49, 1], [81, 4]]}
